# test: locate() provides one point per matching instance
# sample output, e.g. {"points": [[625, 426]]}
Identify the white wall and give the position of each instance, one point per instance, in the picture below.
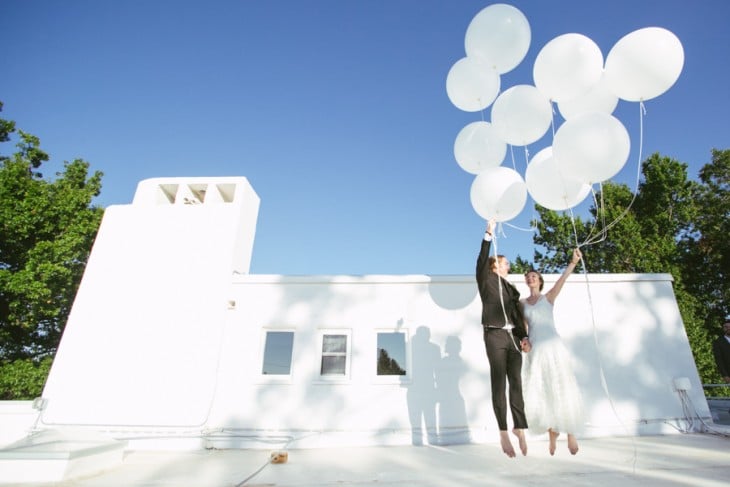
{"points": [[625, 329], [165, 339], [17, 419]]}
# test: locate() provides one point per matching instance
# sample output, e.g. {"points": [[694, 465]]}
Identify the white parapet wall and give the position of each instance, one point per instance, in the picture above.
{"points": [[17, 419], [171, 343], [625, 332]]}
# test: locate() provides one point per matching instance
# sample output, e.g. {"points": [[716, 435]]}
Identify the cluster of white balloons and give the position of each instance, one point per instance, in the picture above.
{"points": [[591, 146]]}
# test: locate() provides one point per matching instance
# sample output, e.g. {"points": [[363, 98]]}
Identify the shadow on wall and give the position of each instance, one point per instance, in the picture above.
{"points": [[626, 357], [436, 408], [452, 419], [453, 297], [422, 394]]}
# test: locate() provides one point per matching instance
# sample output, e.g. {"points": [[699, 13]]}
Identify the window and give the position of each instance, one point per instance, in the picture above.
{"points": [[335, 354], [278, 353], [391, 353]]}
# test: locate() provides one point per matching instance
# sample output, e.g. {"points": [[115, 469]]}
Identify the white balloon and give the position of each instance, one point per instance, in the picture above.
{"points": [[472, 85], [478, 147], [644, 64], [499, 193], [598, 99], [500, 35], [567, 66], [592, 147], [521, 115], [549, 187]]}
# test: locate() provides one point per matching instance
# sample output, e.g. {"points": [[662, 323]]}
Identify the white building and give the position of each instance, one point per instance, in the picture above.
{"points": [[171, 343]]}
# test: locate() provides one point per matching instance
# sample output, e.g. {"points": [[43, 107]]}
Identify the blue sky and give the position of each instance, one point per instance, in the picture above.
{"points": [[336, 111]]}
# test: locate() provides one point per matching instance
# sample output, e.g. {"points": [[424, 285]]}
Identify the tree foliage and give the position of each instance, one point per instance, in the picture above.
{"points": [[46, 232], [671, 225], [23, 378], [650, 224], [708, 251], [520, 266]]}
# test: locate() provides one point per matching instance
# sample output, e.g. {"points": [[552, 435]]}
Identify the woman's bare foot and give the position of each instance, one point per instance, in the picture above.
{"points": [[553, 440], [520, 434], [506, 445], [572, 444]]}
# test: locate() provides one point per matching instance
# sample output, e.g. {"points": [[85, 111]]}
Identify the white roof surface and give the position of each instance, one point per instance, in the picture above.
{"points": [[668, 460]]}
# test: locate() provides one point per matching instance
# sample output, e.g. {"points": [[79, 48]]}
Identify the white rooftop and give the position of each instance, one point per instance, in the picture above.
{"points": [[667, 460]]}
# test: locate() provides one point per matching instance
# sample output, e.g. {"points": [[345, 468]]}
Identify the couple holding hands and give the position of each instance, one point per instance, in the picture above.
{"points": [[552, 401]]}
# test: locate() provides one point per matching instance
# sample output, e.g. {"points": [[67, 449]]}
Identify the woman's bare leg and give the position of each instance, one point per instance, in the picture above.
{"points": [[553, 440], [572, 444]]}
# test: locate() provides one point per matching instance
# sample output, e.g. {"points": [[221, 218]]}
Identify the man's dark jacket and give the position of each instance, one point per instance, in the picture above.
{"points": [[490, 283]]}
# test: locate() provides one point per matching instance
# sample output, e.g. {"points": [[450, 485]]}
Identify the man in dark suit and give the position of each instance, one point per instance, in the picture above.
{"points": [[505, 336], [721, 351]]}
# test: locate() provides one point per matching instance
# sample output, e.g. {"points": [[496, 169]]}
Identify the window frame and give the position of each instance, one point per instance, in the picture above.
{"points": [[391, 379], [334, 378]]}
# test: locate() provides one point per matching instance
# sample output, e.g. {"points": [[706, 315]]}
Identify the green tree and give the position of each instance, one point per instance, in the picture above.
{"points": [[650, 224], [707, 262], [520, 266], [659, 232], [46, 232], [708, 253], [23, 378]]}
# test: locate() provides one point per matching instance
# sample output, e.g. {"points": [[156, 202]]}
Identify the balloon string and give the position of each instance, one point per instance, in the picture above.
{"points": [[552, 119], [575, 230], [512, 155], [533, 220], [499, 285], [642, 114], [527, 156], [601, 370], [499, 277], [591, 306], [604, 232], [533, 223], [597, 233], [531, 228]]}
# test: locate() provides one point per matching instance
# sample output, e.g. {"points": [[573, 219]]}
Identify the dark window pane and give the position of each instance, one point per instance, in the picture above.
{"points": [[334, 365], [334, 344], [391, 353], [278, 353]]}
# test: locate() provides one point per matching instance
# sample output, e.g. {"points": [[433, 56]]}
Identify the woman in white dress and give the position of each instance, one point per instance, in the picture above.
{"points": [[553, 401]]}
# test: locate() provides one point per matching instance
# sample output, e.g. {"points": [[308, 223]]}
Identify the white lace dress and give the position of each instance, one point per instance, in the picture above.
{"points": [[550, 390]]}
